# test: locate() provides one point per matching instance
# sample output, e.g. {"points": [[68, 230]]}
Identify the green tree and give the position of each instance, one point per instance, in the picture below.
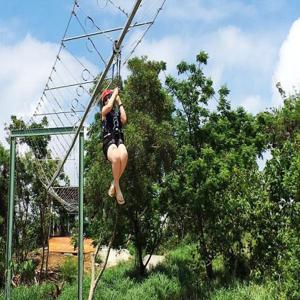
{"points": [[4, 168], [282, 175], [215, 166], [149, 141], [151, 149]]}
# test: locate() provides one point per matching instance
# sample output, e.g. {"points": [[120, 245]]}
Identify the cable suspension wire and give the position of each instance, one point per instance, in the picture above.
{"points": [[80, 62], [144, 33], [76, 81], [119, 8], [56, 126], [45, 179], [95, 25], [49, 79], [61, 45], [68, 98], [100, 81], [41, 172], [90, 39]]}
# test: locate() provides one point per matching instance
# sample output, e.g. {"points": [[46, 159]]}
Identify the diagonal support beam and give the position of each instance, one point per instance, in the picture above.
{"points": [[96, 89], [69, 85], [67, 39]]}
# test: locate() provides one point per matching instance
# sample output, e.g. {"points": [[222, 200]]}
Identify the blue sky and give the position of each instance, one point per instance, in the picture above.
{"points": [[251, 45]]}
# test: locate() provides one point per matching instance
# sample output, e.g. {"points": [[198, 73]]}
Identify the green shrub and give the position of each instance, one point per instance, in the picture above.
{"points": [[34, 292], [2, 261], [157, 286], [267, 291], [26, 270], [183, 265], [68, 270], [289, 265]]}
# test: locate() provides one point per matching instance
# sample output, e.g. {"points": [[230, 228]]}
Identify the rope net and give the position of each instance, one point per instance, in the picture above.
{"points": [[87, 51]]}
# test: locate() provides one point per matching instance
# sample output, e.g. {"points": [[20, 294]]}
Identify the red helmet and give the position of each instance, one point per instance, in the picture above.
{"points": [[105, 93]]}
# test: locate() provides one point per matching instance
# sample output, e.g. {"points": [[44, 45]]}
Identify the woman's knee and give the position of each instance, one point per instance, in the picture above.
{"points": [[122, 152], [113, 154]]}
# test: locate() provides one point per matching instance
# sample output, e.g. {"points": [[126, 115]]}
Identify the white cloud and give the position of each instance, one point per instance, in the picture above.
{"points": [[253, 103], [242, 59], [231, 48], [25, 67], [5, 33], [208, 11], [287, 71], [192, 10], [169, 49]]}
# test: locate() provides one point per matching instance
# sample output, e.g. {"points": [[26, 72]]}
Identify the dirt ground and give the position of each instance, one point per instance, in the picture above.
{"points": [[57, 259], [61, 249]]}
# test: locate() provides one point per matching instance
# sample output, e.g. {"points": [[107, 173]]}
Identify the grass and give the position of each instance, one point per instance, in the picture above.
{"points": [[268, 291], [118, 283], [30, 293], [180, 277]]}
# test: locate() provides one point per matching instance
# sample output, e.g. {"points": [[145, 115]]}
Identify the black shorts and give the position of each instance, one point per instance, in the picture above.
{"points": [[110, 140]]}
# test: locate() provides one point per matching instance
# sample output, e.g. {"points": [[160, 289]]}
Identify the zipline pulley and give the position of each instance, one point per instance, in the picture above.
{"points": [[117, 65]]}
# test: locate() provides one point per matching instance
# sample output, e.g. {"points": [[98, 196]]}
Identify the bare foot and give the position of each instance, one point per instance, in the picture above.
{"points": [[120, 198], [112, 190]]}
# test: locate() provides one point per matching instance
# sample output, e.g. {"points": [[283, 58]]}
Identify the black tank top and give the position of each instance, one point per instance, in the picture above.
{"points": [[112, 125]]}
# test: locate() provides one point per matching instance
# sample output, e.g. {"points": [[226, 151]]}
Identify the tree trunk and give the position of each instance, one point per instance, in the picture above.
{"points": [[138, 247], [47, 257], [42, 220], [140, 260], [93, 282], [203, 250]]}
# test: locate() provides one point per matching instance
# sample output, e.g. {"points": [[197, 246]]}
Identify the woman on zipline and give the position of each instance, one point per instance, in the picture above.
{"points": [[113, 117]]}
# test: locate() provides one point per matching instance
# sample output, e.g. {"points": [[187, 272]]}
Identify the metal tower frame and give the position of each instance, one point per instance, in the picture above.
{"points": [[12, 162]]}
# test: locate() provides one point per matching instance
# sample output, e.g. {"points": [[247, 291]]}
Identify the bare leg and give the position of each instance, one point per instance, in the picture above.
{"points": [[124, 157], [112, 155], [114, 158]]}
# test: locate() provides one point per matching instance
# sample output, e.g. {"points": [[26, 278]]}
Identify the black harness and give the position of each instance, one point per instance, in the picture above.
{"points": [[112, 126]]}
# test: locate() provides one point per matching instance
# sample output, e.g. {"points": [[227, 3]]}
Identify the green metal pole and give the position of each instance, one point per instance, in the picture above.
{"points": [[42, 131], [10, 216], [80, 209]]}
